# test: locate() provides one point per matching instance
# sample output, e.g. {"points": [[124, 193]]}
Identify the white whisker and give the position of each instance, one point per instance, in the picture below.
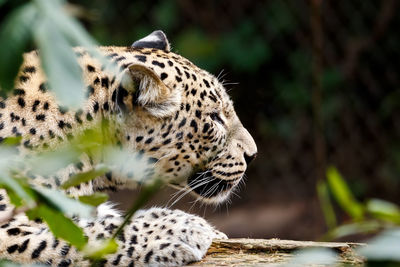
{"points": [[229, 83], [219, 74], [200, 183], [188, 186]]}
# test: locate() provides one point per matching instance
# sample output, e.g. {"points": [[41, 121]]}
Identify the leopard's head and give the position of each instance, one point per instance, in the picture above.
{"points": [[181, 116]]}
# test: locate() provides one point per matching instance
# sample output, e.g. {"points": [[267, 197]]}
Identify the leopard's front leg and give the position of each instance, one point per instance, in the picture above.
{"points": [[163, 237], [158, 237]]}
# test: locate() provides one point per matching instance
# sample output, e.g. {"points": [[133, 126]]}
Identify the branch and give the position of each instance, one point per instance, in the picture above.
{"points": [[260, 252]]}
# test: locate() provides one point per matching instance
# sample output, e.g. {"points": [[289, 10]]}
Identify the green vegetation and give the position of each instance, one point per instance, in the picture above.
{"points": [[368, 217], [51, 30], [373, 216]]}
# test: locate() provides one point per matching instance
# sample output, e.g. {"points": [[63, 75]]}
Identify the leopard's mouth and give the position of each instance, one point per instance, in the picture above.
{"points": [[210, 188]]}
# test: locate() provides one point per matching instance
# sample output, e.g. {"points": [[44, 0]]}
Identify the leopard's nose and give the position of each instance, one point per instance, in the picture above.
{"points": [[250, 158]]}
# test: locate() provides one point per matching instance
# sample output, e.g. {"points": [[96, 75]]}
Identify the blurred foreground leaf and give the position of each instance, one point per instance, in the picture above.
{"points": [[362, 227], [326, 205], [343, 195], [70, 28], [15, 34], [384, 210], [94, 199], [72, 33], [5, 263], [61, 202], [15, 199], [384, 247], [12, 141], [84, 177], [313, 256], [98, 252], [124, 162], [60, 226], [18, 191], [54, 34], [8, 163], [54, 160], [59, 63]]}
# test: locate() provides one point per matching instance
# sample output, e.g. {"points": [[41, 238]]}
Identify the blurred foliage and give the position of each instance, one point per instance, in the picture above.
{"points": [[45, 24], [369, 217], [372, 216], [56, 208], [313, 256], [4, 263], [53, 33]]}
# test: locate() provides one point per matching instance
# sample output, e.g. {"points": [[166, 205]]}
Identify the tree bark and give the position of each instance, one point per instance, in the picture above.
{"points": [[270, 252]]}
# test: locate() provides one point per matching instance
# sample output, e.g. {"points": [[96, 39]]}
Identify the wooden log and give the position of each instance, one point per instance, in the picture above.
{"points": [[270, 252]]}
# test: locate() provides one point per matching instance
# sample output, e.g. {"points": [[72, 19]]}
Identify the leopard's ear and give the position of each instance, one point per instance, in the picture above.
{"points": [[156, 39], [142, 86]]}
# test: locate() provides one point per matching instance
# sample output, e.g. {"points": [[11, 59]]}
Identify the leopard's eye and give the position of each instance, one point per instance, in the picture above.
{"points": [[215, 117]]}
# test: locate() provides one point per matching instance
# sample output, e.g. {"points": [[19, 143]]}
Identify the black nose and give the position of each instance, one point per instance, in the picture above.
{"points": [[248, 158]]}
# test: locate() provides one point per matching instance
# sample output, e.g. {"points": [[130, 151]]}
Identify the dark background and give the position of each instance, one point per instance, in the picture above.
{"points": [[315, 82]]}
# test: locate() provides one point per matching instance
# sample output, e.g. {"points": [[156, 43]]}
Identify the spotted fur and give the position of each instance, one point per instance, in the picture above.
{"points": [[177, 115]]}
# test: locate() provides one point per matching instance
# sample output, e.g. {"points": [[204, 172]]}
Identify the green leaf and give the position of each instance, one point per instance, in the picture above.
{"points": [[313, 256], [326, 205], [91, 142], [12, 141], [123, 162], [384, 247], [60, 64], [363, 227], [15, 35], [94, 199], [15, 199], [69, 27], [18, 191], [73, 31], [5, 263], [106, 247], [9, 159], [58, 200], [53, 161], [84, 177], [384, 210], [8, 162], [60, 226], [343, 195]]}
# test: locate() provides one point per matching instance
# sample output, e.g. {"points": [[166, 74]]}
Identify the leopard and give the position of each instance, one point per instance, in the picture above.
{"points": [[166, 109]]}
